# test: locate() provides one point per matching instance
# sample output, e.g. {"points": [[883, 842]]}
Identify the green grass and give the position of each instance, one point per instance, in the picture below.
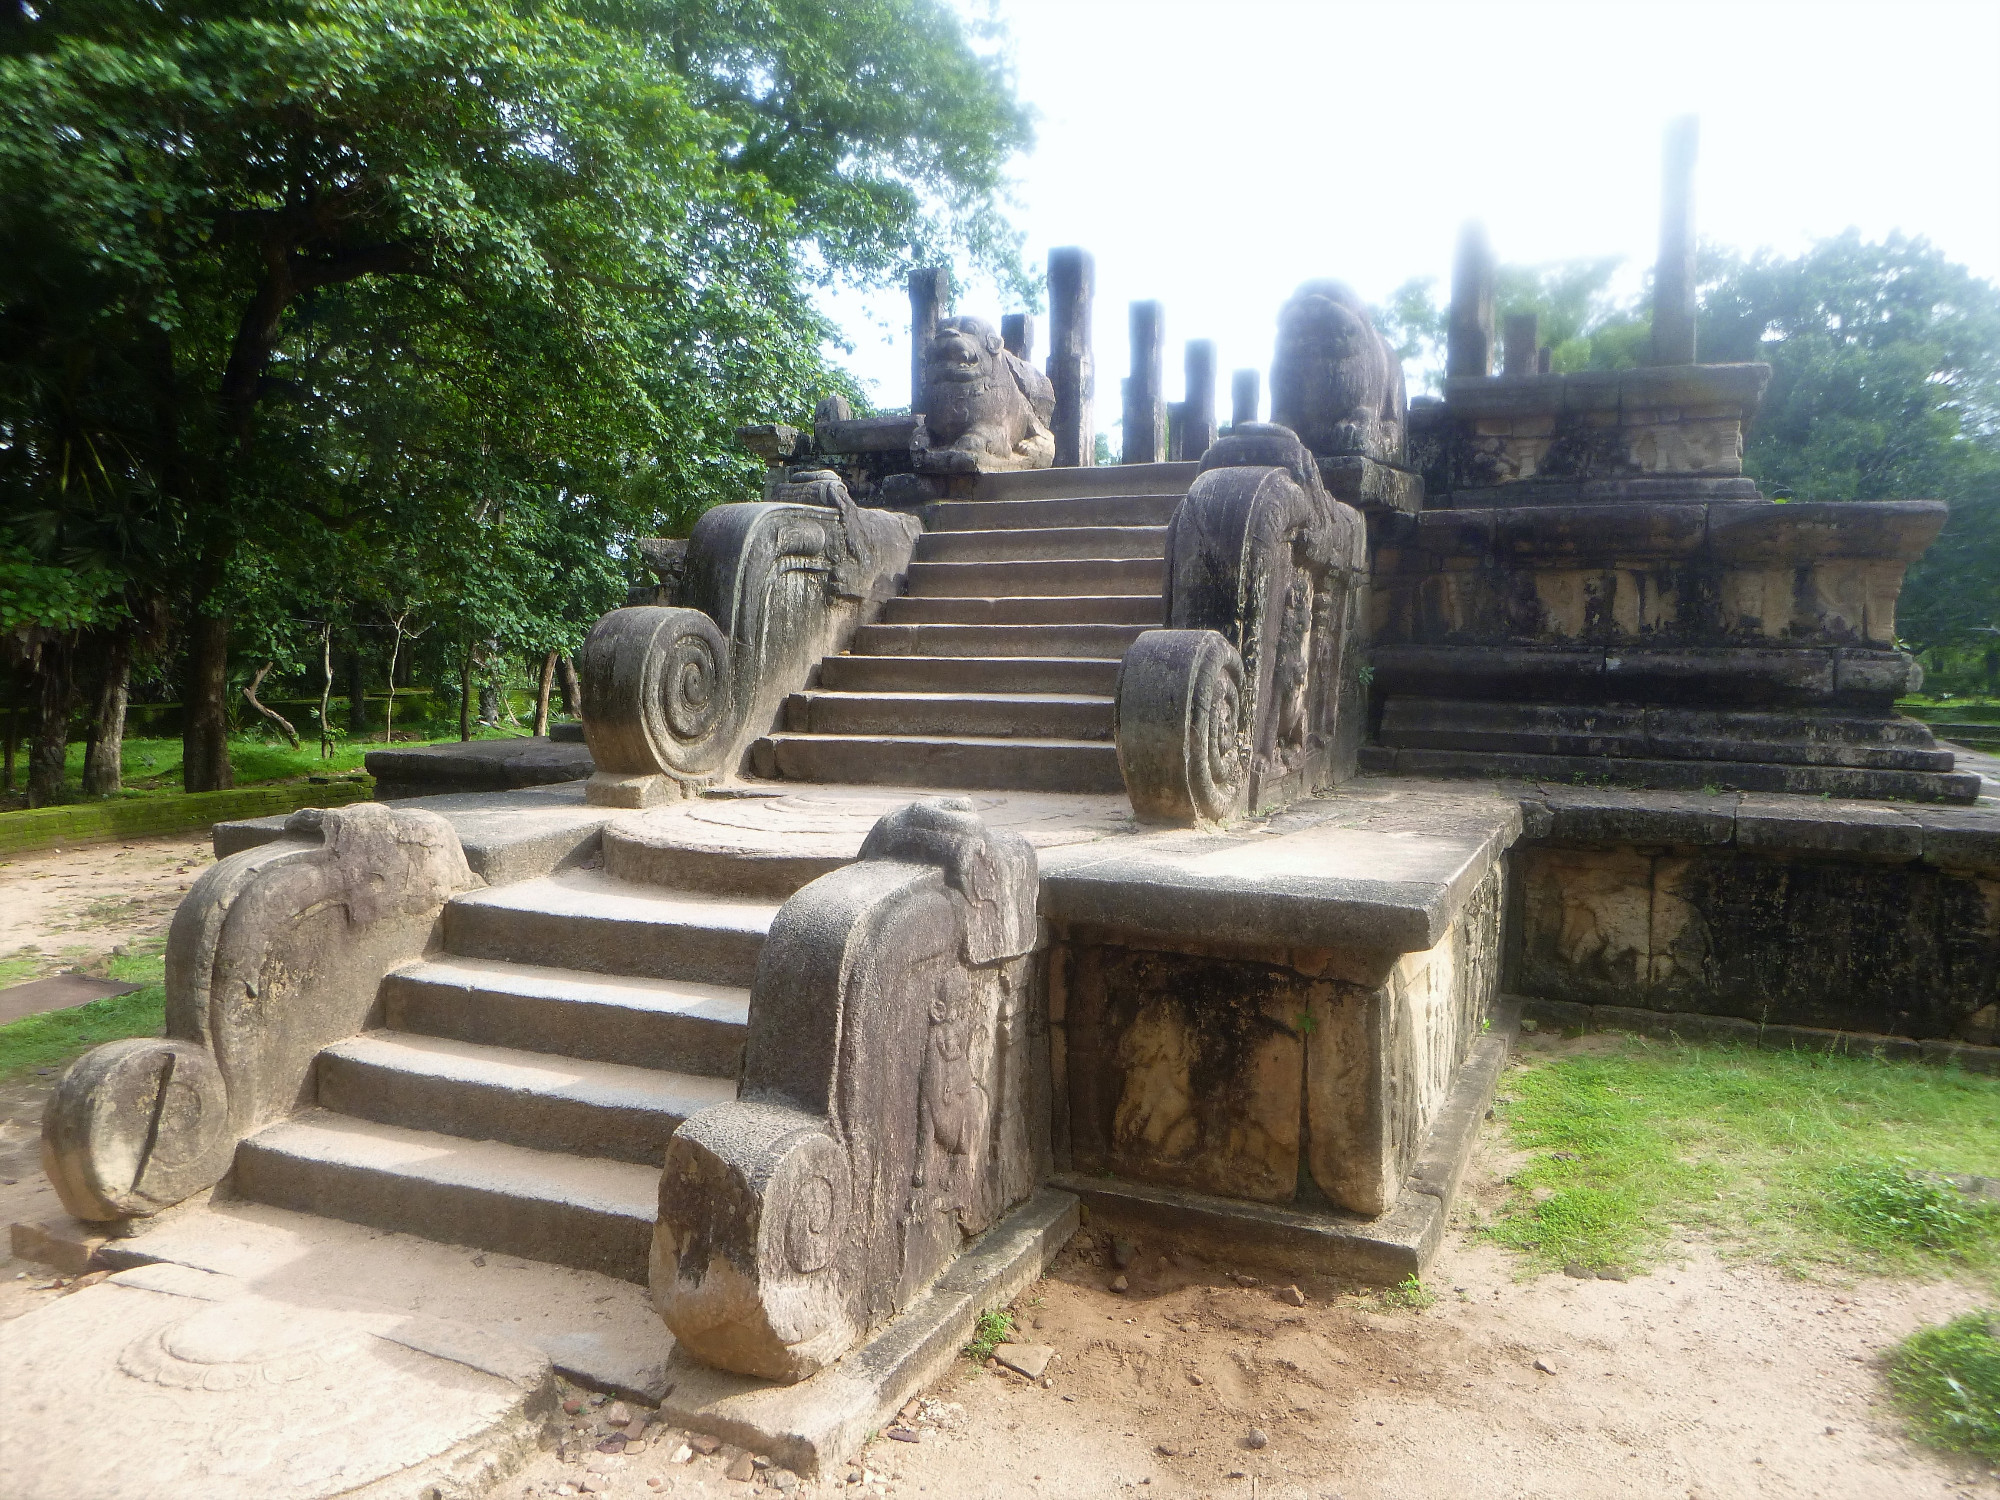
{"points": [[1814, 1161], [1410, 1293], [1947, 1379], [51, 1039], [994, 1328]]}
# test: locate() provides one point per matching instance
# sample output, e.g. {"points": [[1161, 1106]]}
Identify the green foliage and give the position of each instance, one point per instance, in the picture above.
{"points": [[54, 598], [56, 1036], [1775, 1153], [320, 314], [994, 1328], [1410, 1294], [1947, 1378], [1892, 1208]]}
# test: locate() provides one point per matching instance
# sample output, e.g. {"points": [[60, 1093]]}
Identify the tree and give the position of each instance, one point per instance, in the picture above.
{"points": [[348, 265]]}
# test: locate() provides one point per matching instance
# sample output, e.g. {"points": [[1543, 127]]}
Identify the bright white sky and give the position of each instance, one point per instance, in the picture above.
{"points": [[1216, 155]]}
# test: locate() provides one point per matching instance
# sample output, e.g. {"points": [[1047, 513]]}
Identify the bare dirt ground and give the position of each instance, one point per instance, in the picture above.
{"points": [[1705, 1379], [68, 910]]}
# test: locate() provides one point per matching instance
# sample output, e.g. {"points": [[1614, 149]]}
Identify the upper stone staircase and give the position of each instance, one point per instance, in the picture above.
{"points": [[996, 668]]}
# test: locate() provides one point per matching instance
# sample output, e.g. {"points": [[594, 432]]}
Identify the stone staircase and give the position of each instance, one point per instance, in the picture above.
{"points": [[996, 668], [519, 1094]]}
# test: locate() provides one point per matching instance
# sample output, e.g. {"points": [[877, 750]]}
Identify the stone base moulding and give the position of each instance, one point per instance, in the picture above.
{"points": [[809, 1426], [1381, 1251]]}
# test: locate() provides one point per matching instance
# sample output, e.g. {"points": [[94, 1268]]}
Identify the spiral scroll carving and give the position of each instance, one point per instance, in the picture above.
{"points": [[1183, 745], [658, 692]]}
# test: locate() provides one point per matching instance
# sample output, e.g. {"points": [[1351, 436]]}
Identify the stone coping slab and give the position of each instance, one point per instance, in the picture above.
{"points": [[819, 1422], [477, 766], [57, 992], [507, 836], [1376, 863], [1955, 838], [1383, 1250], [219, 1391]]}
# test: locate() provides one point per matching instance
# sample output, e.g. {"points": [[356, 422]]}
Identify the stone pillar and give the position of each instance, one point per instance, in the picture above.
{"points": [[1072, 285], [930, 292], [1545, 358], [1469, 339], [1523, 340], [1243, 397], [1176, 431], [1145, 400], [1017, 332], [1198, 420], [1673, 278]]}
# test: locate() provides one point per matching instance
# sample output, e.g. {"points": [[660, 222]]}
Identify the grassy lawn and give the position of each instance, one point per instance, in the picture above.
{"points": [[1830, 1165], [1947, 1380], [51, 1039]]}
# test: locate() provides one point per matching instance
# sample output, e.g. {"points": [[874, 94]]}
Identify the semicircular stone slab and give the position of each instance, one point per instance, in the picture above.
{"points": [[754, 842], [217, 1393]]}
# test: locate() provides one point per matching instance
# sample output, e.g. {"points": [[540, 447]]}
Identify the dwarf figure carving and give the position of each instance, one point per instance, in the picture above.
{"points": [[986, 409], [1333, 380]]}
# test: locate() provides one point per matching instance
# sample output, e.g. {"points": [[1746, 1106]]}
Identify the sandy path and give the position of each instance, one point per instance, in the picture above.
{"points": [[73, 907]]}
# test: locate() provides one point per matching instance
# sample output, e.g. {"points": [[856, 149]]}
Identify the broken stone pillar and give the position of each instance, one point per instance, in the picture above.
{"points": [[1673, 278], [1523, 343], [1145, 401], [1469, 336], [1017, 334], [1072, 284], [1198, 413], [930, 293], [1243, 397]]}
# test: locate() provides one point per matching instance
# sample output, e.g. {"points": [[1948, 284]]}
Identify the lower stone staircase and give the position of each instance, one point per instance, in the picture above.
{"points": [[519, 1094], [996, 668]]}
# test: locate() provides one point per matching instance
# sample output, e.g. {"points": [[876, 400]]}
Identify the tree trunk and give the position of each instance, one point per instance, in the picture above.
{"points": [[465, 697], [250, 696], [542, 694], [357, 695], [55, 695], [326, 692], [572, 690], [205, 728], [104, 762]]}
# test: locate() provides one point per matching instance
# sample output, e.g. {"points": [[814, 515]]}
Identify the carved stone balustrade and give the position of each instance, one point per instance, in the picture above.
{"points": [[1251, 695], [893, 1102], [673, 696]]}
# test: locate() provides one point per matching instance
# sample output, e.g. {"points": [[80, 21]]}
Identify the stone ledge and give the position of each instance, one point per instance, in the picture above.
{"points": [[1369, 865], [507, 836], [1664, 1025], [1915, 787], [477, 766], [1956, 838], [1647, 388], [817, 1423]]}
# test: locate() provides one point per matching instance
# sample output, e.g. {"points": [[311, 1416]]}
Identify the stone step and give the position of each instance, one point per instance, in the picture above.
{"points": [[986, 762], [1029, 609], [1064, 716], [653, 1023], [1075, 510], [1110, 479], [586, 1212], [1038, 576], [1096, 676], [536, 1099], [1050, 542], [1104, 641], [585, 919]]}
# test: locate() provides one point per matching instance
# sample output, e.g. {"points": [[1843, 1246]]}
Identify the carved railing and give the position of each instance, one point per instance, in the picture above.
{"points": [[275, 953], [893, 1102], [1251, 696], [674, 695]]}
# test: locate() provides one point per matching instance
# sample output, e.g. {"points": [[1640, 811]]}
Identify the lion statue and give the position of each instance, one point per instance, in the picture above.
{"points": [[1333, 380], [986, 409]]}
